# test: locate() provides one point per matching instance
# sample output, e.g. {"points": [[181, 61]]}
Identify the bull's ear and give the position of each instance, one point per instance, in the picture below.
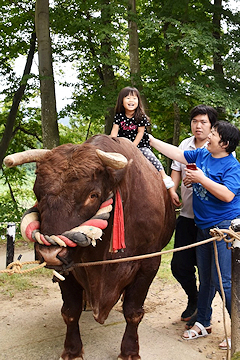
{"points": [[120, 173], [114, 160]]}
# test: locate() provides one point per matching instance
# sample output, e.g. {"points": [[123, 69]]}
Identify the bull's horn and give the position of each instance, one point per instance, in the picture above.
{"points": [[114, 160], [24, 157]]}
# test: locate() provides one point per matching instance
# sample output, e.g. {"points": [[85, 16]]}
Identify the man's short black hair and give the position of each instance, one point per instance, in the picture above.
{"points": [[205, 110], [229, 134]]}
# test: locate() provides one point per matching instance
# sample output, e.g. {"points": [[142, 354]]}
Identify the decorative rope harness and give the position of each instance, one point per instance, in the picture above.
{"points": [[83, 235]]}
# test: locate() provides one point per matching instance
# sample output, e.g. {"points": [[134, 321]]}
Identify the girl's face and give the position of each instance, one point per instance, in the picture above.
{"points": [[130, 102]]}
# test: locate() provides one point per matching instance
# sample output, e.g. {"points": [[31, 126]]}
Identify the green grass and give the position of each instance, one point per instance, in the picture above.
{"points": [[15, 283], [10, 284], [236, 356], [19, 242], [164, 271]]}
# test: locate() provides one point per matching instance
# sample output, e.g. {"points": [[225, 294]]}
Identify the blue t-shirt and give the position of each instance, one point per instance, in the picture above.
{"points": [[209, 210]]}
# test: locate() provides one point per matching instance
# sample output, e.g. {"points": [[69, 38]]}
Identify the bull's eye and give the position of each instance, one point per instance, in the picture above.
{"points": [[93, 198]]}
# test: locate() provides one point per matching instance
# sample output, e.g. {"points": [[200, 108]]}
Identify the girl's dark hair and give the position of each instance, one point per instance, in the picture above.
{"points": [[229, 135], [205, 110], [139, 112]]}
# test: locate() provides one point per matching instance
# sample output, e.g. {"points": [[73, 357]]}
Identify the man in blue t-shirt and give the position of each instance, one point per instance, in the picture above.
{"points": [[216, 202]]}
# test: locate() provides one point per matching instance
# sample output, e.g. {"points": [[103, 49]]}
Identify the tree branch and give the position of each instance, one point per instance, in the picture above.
{"points": [[7, 135]]}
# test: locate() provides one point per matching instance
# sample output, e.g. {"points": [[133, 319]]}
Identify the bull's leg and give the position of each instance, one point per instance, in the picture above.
{"points": [[134, 297], [71, 311]]}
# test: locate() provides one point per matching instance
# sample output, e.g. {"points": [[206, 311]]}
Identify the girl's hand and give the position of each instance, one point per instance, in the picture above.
{"points": [[193, 176], [139, 136], [114, 132]]}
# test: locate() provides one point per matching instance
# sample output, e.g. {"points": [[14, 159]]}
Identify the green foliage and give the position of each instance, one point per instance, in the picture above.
{"points": [[17, 24], [16, 184], [236, 356], [21, 186], [80, 130], [176, 54], [177, 45]]}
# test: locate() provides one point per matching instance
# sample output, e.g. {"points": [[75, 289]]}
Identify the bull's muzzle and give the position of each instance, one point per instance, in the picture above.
{"points": [[54, 256]]}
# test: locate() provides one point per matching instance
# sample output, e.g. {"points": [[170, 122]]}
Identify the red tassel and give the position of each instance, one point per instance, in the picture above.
{"points": [[118, 237]]}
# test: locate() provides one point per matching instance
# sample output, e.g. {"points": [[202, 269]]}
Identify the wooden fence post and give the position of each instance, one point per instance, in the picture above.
{"points": [[11, 231], [235, 306]]}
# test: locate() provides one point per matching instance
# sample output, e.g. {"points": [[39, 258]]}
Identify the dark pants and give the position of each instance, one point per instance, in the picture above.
{"points": [[184, 261], [208, 276]]}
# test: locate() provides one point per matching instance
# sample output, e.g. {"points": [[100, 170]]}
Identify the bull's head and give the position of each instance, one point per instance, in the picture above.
{"points": [[71, 184]]}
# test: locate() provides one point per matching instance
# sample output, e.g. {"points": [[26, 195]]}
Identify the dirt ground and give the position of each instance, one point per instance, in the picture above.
{"points": [[31, 326]]}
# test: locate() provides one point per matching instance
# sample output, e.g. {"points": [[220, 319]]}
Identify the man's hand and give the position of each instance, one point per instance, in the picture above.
{"points": [[174, 197]]}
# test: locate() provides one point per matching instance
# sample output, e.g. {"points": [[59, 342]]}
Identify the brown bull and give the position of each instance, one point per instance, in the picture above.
{"points": [[72, 182]]}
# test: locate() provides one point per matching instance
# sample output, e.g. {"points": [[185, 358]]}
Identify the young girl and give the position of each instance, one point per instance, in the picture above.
{"points": [[131, 122]]}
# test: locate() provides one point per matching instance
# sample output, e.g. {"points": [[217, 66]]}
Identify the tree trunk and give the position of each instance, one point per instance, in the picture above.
{"points": [[110, 85], [50, 131], [108, 76], [176, 128], [134, 61], [133, 45], [7, 135], [109, 120], [217, 56]]}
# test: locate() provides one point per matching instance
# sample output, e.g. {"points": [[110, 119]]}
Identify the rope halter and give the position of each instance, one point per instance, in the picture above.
{"points": [[83, 235]]}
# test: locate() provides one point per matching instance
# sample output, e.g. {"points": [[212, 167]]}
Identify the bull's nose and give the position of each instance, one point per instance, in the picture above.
{"points": [[52, 255]]}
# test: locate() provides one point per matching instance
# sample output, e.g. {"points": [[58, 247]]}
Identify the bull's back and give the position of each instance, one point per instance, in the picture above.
{"points": [[148, 208]]}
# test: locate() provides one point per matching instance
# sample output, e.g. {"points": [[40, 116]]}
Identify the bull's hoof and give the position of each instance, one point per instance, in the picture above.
{"points": [[129, 357], [78, 355]]}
